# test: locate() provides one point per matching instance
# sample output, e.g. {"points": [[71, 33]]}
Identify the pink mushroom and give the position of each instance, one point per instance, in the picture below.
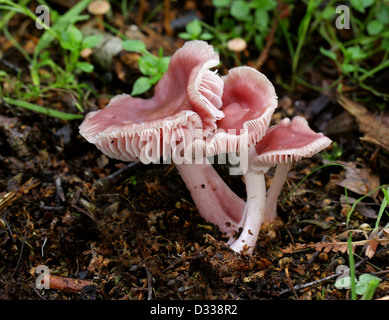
{"points": [[249, 100], [185, 106], [282, 144]]}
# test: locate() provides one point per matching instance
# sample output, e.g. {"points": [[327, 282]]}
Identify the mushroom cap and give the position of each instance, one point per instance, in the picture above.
{"points": [[135, 129], [248, 103], [99, 7], [236, 44], [286, 142]]}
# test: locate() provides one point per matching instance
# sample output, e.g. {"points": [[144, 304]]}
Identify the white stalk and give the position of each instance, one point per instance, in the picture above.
{"points": [[274, 191], [254, 211]]}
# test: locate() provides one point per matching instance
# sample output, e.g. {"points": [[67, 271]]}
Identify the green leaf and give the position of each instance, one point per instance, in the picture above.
{"points": [[141, 85], [68, 45], [374, 27], [328, 12], [385, 44], [91, 41], [221, 3], [328, 53], [360, 5], [148, 65], [40, 109], [348, 68], [262, 18], [355, 53], [194, 27], [134, 46], [371, 287], [85, 66], [240, 10], [363, 283], [383, 14], [185, 36], [75, 35], [206, 36], [266, 5], [163, 64]]}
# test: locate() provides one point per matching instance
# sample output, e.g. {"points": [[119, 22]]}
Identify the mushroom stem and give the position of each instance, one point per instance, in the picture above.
{"points": [[214, 199], [254, 211], [274, 191]]}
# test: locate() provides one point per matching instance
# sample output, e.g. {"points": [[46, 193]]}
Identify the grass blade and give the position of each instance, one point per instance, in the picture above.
{"points": [[352, 268], [40, 109]]}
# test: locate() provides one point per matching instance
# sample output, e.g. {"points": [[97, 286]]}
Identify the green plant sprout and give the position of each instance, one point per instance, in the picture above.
{"points": [[246, 19], [61, 76], [194, 31], [132, 180], [152, 67], [382, 208], [73, 41], [353, 58], [307, 175], [365, 286], [334, 154]]}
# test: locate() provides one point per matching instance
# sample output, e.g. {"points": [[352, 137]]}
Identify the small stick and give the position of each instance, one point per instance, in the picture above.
{"points": [[166, 18], [116, 176], [149, 283], [58, 185], [66, 284], [313, 283], [310, 284], [20, 254], [265, 52], [142, 8]]}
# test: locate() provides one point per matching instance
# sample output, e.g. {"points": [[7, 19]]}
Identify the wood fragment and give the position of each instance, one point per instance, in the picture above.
{"points": [[166, 18], [66, 284], [115, 177], [142, 9], [269, 42]]}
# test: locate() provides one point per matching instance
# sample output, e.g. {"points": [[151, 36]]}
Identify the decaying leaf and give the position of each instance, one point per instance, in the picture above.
{"points": [[363, 208], [375, 131], [359, 180]]}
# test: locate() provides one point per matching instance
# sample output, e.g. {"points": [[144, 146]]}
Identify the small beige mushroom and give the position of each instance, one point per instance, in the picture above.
{"points": [[237, 44], [99, 8]]}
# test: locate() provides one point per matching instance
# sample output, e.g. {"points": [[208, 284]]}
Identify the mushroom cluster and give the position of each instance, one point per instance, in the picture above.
{"points": [[195, 114]]}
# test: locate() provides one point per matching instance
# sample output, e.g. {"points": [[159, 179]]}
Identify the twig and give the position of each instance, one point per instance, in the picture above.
{"points": [[316, 282], [66, 284], [290, 283], [20, 254], [142, 8], [265, 52], [51, 208], [115, 177], [58, 185], [43, 245], [8, 227], [39, 295], [310, 284], [166, 18], [149, 283]]}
